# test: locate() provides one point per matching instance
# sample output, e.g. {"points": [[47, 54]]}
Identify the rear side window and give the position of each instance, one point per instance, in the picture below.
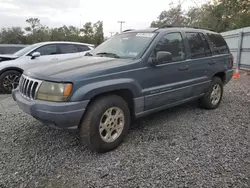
{"points": [[83, 48], [219, 45], [196, 45], [206, 45], [67, 48]]}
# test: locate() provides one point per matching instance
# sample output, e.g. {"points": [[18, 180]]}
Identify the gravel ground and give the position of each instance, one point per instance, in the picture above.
{"points": [[181, 147]]}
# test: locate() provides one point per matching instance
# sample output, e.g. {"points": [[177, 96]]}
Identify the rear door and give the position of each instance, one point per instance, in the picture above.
{"points": [[199, 58], [68, 51], [221, 54], [83, 49]]}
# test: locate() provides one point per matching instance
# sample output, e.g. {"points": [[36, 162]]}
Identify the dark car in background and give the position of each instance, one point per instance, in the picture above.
{"points": [[11, 48]]}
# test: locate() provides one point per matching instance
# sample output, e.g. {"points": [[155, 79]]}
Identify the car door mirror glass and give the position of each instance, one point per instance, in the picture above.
{"points": [[35, 55], [163, 57]]}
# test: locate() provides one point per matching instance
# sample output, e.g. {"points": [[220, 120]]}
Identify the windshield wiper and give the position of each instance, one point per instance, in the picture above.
{"points": [[108, 53]]}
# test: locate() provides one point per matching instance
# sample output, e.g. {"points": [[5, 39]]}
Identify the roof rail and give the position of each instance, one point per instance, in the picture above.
{"points": [[183, 26]]}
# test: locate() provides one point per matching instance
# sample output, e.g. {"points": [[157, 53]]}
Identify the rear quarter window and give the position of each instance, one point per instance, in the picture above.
{"points": [[68, 48], [218, 44], [83, 48]]}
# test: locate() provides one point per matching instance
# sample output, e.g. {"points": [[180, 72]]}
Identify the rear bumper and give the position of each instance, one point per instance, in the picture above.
{"points": [[57, 115], [229, 75]]}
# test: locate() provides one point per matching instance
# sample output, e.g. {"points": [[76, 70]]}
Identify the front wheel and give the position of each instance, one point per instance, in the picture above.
{"points": [[105, 123], [9, 80], [213, 96]]}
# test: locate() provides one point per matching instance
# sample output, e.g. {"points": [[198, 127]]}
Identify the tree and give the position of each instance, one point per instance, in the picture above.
{"points": [[193, 16], [98, 32], [174, 16], [13, 35], [221, 15], [88, 32], [236, 13], [70, 33], [36, 31], [34, 25]]}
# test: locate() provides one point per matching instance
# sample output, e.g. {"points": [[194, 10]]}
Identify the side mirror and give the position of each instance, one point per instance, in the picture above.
{"points": [[163, 57], [35, 55]]}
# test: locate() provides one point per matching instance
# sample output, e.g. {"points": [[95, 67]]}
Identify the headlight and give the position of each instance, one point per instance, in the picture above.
{"points": [[51, 91]]}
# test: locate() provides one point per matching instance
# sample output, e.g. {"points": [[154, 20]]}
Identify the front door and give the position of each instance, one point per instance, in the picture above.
{"points": [[167, 83], [48, 53]]}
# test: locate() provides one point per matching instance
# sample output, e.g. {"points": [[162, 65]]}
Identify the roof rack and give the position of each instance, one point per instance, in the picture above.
{"points": [[183, 26]]}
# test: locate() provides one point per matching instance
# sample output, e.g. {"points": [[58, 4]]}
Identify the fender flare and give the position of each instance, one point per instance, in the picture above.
{"points": [[87, 92]]}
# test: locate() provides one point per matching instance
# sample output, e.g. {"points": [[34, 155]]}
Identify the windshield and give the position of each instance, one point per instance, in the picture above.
{"points": [[126, 45], [25, 50]]}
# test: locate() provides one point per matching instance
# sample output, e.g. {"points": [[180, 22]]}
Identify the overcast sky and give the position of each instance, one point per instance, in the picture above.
{"points": [[136, 13]]}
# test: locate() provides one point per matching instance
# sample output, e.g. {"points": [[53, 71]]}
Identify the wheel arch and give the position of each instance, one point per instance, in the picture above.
{"points": [[221, 75], [126, 88], [10, 69], [126, 94]]}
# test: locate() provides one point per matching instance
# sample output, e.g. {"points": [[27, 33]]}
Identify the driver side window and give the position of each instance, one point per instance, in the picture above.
{"points": [[50, 49], [173, 43]]}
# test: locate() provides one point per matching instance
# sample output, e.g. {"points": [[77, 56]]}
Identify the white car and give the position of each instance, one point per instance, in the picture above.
{"points": [[12, 66]]}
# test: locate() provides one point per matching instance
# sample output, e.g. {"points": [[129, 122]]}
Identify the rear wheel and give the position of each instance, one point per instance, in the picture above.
{"points": [[213, 96], [105, 123], [9, 80]]}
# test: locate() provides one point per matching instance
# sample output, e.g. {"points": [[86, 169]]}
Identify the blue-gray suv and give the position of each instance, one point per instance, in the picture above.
{"points": [[130, 75]]}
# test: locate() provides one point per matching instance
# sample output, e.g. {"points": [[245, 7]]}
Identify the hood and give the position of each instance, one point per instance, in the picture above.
{"points": [[21, 63], [5, 57], [80, 66]]}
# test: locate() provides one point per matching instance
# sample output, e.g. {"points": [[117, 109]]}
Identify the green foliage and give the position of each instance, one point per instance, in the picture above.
{"points": [[14, 35], [88, 32], [222, 15], [174, 16], [64, 33], [36, 32], [98, 32]]}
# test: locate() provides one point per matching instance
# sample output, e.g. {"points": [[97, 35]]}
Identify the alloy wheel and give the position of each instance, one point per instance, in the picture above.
{"points": [[216, 94], [11, 81], [111, 124]]}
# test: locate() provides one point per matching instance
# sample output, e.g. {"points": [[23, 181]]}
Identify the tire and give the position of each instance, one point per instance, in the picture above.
{"points": [[208, 100], [10, 77], [91, 131]]}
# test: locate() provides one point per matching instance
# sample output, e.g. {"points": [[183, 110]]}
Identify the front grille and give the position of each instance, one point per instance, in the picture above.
{"points": [[28, 87]]}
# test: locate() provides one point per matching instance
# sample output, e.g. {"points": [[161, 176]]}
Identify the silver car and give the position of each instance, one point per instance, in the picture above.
{"points": [[39, 54]]}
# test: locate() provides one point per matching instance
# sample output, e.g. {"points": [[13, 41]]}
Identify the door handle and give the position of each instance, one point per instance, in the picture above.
{"points": [[211, 62], [183, 68]]}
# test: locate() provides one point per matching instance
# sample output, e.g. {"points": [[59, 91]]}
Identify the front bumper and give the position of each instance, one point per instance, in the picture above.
{"points": [[57, 115]]}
